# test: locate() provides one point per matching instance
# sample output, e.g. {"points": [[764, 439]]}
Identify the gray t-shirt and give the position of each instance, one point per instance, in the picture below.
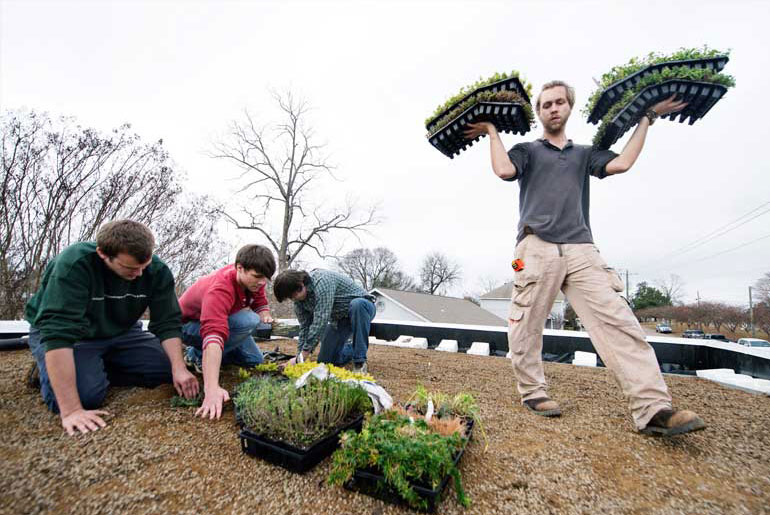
{"points": [[554, 190]]}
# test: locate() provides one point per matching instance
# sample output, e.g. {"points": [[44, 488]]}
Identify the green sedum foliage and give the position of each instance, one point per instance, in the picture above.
{"points": [[274, 408], [478, 84], [677, 72], [461, 405], [636, 64], [404, 451], [484, 96], [177, 401]]}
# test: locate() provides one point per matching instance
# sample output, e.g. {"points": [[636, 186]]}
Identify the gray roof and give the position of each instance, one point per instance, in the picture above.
{"points": [[505, 291], [436, 308]]}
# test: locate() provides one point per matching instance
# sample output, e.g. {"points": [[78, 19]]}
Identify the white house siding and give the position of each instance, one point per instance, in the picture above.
{"points": [[389, 310], [502, 307]]}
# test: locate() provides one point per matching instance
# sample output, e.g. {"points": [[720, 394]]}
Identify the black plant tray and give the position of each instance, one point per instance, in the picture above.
{"points": [[511, 84], [290, 457], [700, 96], [614, 92], [372, 482], [506, 116]]}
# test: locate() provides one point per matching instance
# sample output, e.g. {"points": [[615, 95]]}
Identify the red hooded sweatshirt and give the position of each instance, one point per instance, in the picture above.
{"points": [[215, 297]]}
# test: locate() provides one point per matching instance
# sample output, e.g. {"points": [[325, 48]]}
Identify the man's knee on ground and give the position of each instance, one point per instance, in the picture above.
{"points": [[243, 322], [93, 398]]}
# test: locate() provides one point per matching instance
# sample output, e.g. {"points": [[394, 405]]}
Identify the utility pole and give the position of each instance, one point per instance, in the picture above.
{"points": [[627, 292], [751, 315], [700, 326]]}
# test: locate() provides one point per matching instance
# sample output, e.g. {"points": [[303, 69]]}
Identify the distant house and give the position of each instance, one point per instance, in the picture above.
{"points": [[498, 302], [422, 307]]}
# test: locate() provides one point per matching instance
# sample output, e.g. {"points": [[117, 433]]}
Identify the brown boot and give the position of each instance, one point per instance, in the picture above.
{"points": [[670, 422], [544, 407]]}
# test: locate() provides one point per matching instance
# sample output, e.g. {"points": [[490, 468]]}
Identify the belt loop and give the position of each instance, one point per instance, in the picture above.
{"points": [[558, 246]]}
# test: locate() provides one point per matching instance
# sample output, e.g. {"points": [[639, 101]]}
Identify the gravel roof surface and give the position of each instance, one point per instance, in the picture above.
{"points": [[156, 459]]}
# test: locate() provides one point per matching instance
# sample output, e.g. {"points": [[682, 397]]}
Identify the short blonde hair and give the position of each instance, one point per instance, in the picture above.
{"points": [[554, 84]]}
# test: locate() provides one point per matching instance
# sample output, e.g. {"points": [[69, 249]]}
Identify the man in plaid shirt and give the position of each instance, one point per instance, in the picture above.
{"points": [[330, 307]]}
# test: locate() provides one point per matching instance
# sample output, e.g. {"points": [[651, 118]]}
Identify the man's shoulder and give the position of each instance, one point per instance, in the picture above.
{"points": [[81, 253]]}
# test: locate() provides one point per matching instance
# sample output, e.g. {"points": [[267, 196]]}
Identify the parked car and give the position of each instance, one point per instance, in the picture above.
{"points": [[754, 342], [714, 336], [662, 328], [693, 333]]}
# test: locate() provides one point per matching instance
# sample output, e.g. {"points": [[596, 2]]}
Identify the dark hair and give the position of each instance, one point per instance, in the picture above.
{"points": [[257, 258], [126, 236], [288, 283]]}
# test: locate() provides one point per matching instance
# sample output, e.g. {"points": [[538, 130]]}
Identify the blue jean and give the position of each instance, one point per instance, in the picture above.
{"points": [[334, 346], [240, 347], [134, 358]]}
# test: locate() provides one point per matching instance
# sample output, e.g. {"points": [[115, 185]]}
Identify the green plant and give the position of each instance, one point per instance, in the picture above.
{"points": [[478, 84], [636, 64], [274, 408], [177, 401], [484, 96], [263, 368], [461, 405], [657, 77], [405, 452]]}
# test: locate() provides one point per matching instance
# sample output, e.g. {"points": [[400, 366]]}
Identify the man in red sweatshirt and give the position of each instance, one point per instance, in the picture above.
{"points": [[220, 312]]}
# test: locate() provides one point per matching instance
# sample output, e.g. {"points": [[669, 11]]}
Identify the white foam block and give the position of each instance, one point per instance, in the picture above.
{"points": [[410, 342], [479, 349], [375, 341], [447, 346], [716, 373], [584, 359]]}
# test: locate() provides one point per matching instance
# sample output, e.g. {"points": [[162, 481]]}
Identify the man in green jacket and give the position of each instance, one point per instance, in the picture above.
{"points": [[85, 332]]}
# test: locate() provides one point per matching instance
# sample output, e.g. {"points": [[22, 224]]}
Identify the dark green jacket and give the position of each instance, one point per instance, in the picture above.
{"points": [[80, 298]]}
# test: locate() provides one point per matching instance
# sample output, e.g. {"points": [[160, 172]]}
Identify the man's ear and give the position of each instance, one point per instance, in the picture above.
{"points": [[101, 254]]}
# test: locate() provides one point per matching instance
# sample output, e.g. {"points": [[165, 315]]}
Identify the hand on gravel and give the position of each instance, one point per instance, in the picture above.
{"points": [[186, 383], [83, 421], [670, 105], [212, 403]]}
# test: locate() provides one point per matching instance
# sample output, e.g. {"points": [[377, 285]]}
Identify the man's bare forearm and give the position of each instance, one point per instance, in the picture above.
{"points": [[631, 151], [212, 361], [501, 164], [173, 349], [60, 364]]}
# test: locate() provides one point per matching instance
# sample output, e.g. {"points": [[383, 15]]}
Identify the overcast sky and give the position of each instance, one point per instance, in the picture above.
{"points": [[373, 71]]}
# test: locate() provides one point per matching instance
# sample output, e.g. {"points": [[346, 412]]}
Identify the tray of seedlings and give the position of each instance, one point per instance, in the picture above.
{"points": [[503, 99], [408, 455], [297, 427], [642, 83]]}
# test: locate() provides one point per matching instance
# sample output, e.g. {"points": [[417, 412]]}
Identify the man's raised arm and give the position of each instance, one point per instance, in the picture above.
{"points": [[501, 164], [633, 148]]}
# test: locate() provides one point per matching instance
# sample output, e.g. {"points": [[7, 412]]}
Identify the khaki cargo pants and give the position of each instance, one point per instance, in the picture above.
{"points": [[593, 289]]}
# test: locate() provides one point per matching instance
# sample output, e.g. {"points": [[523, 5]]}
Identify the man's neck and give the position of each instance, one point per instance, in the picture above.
{"points": [[557, 139]]}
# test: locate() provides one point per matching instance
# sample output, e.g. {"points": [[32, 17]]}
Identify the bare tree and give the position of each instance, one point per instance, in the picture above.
{"points": [[61, 181], [281, 165], [763, 288], [374, 268], [437, 273], [673, 287]]}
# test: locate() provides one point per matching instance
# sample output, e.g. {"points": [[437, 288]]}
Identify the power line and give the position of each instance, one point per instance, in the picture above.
{"points": [[724, 251], [719, 231]]}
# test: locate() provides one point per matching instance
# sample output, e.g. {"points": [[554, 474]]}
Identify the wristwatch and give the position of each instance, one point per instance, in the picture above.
{"points": [[651, 115]]}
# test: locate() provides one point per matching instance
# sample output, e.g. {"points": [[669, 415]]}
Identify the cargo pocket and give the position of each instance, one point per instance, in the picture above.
{"points": [[615, 280], [523, 288]]}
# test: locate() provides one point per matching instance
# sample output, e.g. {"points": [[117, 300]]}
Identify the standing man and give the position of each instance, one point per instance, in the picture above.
{"points": [[85, 332], [221, 311], [329, 307], [555, 251]]}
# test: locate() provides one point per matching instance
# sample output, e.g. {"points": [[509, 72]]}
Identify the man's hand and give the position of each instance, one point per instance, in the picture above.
{"points": [[212, 403], [185, 383], [83, 420], [479, 129], [265, 317], [670, 105]]}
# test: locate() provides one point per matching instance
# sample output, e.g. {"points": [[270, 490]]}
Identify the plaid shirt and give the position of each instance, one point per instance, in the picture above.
{"points": [[328, 298]]}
